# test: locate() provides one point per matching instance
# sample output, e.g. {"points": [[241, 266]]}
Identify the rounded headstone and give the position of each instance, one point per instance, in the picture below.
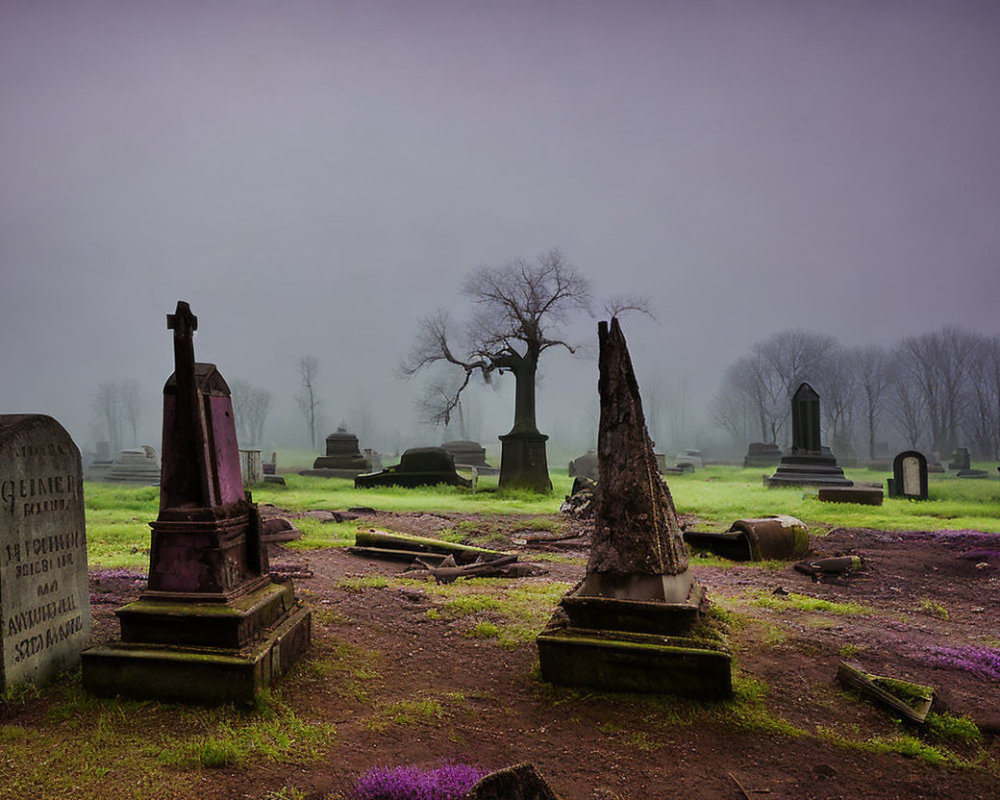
{"points": [[45, 599]]}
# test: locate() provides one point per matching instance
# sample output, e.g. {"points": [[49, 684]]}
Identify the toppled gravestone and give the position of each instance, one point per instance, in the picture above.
{"points": [[418, 466], [755, 539], [520, 782], [632, 623]]}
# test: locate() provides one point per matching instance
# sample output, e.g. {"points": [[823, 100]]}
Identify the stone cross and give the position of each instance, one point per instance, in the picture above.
{"points": [[184, 483]]}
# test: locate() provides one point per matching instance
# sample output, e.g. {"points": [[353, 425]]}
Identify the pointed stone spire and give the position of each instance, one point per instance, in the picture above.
{"points": [[637, 551]]}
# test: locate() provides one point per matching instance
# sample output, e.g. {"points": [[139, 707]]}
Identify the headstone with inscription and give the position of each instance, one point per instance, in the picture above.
{"points": [[909, 476], [44, 597]]}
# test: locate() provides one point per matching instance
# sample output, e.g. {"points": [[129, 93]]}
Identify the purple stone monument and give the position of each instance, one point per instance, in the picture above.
{"points": [[212, 626]]}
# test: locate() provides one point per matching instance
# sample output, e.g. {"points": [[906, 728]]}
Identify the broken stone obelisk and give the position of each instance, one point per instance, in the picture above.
{"points": [[632, 624], [212, 626]]}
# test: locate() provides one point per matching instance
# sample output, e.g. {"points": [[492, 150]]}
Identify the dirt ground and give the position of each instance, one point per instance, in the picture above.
{"points": [[591, 745]]}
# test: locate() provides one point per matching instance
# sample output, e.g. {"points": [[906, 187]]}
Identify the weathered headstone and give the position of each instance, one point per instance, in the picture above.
{"points": [[808, 462], [418, 466], [44, 596], [137, 465], [762, 454], [909, 476], [468, 454], [584, 466], [212, 626], [343, 458], [631, 624], [960, 459]]}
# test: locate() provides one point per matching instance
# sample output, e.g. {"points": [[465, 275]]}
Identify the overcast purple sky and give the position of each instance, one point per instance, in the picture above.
{"points": [[314, 176]]}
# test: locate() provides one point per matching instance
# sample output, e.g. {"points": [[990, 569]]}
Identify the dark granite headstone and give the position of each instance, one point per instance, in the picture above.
{"points": [[211, 626], [343, 458], [44, 596], [960, 459], [418, 466], [808, 462], [909, 476]]}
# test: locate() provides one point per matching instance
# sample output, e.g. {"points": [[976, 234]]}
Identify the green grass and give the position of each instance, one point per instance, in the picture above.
{"points": [[79, 745], [720, 494], [802, 602], [118, 516]]}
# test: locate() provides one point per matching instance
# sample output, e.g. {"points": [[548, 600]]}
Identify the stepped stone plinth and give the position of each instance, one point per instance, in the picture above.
{"points": [[138, 465]]}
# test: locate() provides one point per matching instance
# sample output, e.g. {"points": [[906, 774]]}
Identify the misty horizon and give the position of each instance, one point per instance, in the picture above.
{"points": [[314, 178]]}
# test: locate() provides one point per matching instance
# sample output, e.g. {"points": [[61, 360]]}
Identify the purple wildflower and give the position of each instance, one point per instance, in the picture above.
{"points": [[982, 661], [448, 782]]}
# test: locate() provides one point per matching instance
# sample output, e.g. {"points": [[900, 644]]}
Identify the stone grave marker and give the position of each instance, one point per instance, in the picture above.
{"points": [[44, 596], [909, 476], [808, 462]]}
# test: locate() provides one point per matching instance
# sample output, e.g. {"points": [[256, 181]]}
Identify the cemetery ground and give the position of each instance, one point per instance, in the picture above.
{"points": [[404, 671]]}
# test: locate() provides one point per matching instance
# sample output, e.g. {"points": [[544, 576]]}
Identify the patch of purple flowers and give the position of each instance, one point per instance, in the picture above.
{"points": [[982, 661], [447, 782], [117, 573]]}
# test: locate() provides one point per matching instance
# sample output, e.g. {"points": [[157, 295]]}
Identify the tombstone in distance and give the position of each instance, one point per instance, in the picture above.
{"points": [[138, 465], [44, 595], [762, 454], [418, 466], [909, 476], [808, 462], [468, 454], [960, 459], [212, 626], [584, 466], [343, 459]]}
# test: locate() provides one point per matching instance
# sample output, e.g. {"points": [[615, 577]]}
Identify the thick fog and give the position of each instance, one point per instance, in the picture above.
{"points": [[314, 176]]}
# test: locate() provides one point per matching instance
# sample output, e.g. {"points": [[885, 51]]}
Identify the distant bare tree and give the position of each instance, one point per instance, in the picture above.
{"points": [[116, 407], [309, 402], [765, 379], [251, 405], [516, 308], [875, 377], [937, 366], [131, 407], [906, 410], [982, 420], [838, 388]]}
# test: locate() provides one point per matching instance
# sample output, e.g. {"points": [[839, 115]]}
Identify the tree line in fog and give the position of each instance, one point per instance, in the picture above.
{"points": [[932, 392]]}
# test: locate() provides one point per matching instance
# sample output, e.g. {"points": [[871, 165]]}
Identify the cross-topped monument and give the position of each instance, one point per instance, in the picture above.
{"points": [[212, 626]]}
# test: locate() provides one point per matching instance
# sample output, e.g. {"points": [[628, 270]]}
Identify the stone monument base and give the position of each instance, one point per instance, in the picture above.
{"points": [[808, 469], [635, 662], [523, 464], [629, 645], [201, 652]]}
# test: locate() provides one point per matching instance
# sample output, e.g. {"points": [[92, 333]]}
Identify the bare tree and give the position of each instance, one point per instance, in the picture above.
{"points": [[117, 409], [874, 376], [838, 387], [517, 309], [251, 405], [982, 420], [108, 413], [309, 402], [907, 410], [765, 379], [936, 365]]}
